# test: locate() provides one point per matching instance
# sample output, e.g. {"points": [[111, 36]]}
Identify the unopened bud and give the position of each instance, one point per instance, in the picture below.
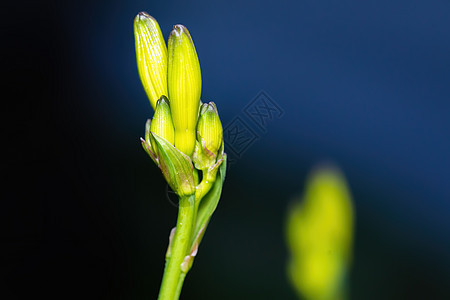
{"points": [[151, 56], [185, 84], [162, 121], [209, 128]]}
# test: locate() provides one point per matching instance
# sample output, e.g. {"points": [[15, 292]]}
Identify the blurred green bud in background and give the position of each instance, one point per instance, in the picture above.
{"points": [[319, 235]]}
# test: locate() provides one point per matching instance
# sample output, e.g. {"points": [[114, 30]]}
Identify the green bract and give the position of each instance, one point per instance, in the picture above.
{"points": [[176, 167]]}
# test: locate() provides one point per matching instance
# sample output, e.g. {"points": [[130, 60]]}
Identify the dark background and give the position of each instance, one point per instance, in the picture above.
{"points": [[364, 84]]}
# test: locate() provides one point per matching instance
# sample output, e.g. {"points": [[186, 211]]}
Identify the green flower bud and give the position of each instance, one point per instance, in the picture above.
{"points": [[151, 56], [209, 128], [162, 121], [185, 84]]}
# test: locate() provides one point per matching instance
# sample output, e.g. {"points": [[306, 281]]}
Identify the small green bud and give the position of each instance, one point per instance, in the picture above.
{"points": [[151, 56], [162, 121], [209, 128], [185, 84]]}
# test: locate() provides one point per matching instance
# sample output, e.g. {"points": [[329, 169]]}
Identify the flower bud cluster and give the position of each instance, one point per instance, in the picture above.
{"points": [[183, 133]]}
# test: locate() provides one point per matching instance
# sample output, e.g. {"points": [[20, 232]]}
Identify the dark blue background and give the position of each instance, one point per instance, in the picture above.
{"points": [[364, 84]]}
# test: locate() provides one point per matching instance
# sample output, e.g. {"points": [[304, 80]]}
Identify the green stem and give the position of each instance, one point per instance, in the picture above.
{"points": [[202, 189], [182, 243], [170, 287], [180, 284]]}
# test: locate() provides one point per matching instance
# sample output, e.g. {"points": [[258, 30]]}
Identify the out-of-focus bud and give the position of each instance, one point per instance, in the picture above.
{"points": [[209, 128], [151, 55], [185, 84], [319, 235], [162, 121], [176, 167]]}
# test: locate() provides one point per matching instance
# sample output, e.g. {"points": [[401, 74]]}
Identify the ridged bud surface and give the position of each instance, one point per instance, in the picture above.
{"points": [[151, 56], [209, 127], [185, 84]]}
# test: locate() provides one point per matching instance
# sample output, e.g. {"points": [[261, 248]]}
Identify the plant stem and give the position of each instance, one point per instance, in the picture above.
{"points": [[170, 287], [180, 284], [201, 190]]}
